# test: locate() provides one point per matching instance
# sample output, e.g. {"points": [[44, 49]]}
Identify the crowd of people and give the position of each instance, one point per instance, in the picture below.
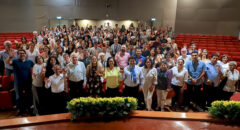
{"points": [[60, 64]]}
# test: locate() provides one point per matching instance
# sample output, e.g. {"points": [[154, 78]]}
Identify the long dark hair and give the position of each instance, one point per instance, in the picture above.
{"points": [[145, 66]]}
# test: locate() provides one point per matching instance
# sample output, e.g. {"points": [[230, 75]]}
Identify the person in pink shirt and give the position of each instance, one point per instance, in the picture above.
{"points": [[122, 57]]}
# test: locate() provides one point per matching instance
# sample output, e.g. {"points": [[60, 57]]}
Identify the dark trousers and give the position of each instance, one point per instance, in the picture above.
{"points": [[176, 98], [59, 103], [76, 89], [112, 92], [193, 93], [24, 100], [131, 91], [226, 95], [134, 92], [210, 94]]}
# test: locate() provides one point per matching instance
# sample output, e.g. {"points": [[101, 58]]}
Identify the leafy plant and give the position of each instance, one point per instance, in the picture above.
{"points": [[229, 110], [88, 106]]}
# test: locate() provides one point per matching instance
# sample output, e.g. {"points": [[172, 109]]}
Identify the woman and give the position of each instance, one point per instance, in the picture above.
{"points": [[58, 96], [60, 55], [169, 60], [46, 54], [32, 52], [94, 71], [113, 79], [22, 45], [180, 77], [149, 82], [133, 77], [71, 48], [38, 75], [152, 55], [224, 63], [163, 86], [52, 61], [232, 81], [102, 59], [204, 56]]}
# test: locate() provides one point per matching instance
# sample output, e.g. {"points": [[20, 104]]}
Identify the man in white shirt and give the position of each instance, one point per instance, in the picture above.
{"points": [[76, 72]]}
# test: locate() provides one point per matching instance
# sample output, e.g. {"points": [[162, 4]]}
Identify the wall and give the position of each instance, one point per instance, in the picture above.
{"points": [[208, 17], [85, 22], [16, 16], [31, 15]]}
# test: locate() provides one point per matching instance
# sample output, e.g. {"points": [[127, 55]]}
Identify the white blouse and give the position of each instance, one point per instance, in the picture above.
{"points": [[179, 77], [56, 83], [37, 80], [231, 82], [127, 76], [31, 56], [150, 77]]}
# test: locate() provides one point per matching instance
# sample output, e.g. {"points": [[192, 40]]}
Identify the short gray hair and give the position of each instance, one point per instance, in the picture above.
{"points": [[7, 42], [233, 63]]}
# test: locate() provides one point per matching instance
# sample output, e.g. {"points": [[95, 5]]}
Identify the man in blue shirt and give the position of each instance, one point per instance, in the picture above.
{"points": [[139, 58], [23, 81], [196, 71], [212, 80]]}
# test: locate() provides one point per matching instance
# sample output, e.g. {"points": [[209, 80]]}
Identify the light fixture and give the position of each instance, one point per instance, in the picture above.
{"points": [[153, 19], [59, 17]]}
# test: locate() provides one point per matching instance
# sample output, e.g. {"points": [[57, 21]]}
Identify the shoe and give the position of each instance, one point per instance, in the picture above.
{"points": [[199, 109], [186, 108], [19, 113], [173, 108]]}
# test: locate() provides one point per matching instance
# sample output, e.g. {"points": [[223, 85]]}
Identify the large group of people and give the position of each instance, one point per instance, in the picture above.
{"points": [[60, 64]]}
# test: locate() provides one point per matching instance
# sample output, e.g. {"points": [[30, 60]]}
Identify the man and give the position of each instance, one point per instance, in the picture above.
{"points": [[77, 77], [191, 48], [116, 47], [86, 58], [23, 80], [184, 56], [122, 57], [95, 49], [212, 80], [4, 55], [144, 36], [156, 43], [196, 71], [139, 58], [164, 48]]}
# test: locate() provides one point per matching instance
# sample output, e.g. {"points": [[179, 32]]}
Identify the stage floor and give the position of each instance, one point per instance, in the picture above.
{"points": [[139, 120]]}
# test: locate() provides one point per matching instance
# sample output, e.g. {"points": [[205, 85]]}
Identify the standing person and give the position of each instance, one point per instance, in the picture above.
{"points": [[76, 72], [180, 77], [196, 71], [204, 56], [32, 52], [133, 78], [232, 81], [139, 58], [149, 82], [94, 71], [113, 78], [212, 80], [184, 56], [116, 47], [58, 96], [23, 80], [4, 55], [163, 84], [122, 57], [38, 75], [224, 63]]}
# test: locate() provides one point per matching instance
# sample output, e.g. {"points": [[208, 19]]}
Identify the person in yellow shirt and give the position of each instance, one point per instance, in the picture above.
{"points": [[113, 79]]}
